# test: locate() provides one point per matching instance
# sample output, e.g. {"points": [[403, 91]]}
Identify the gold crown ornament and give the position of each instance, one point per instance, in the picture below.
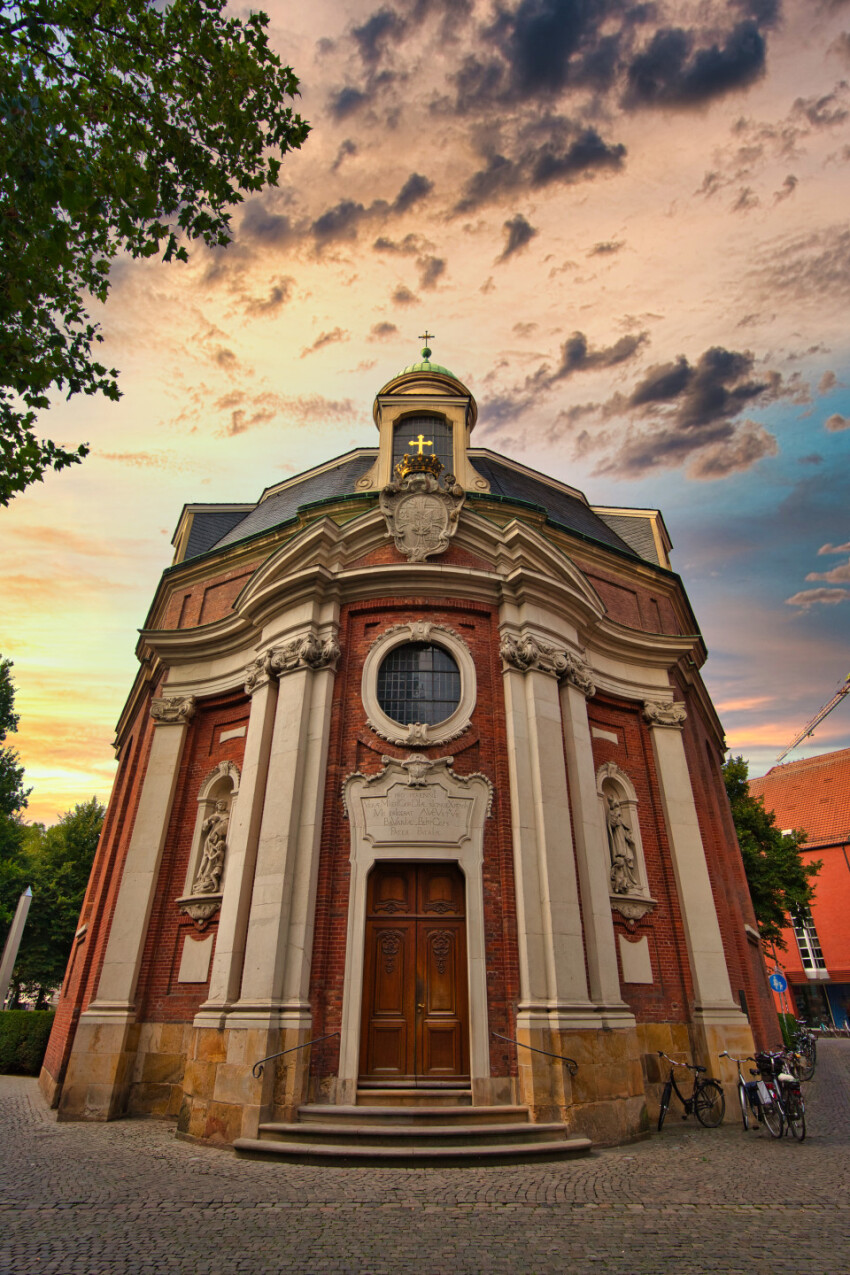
{"points": [[418, 465]]}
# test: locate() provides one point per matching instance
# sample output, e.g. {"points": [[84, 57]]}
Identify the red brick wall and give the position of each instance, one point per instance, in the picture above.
{"points": [[634, 605], [86, 958], [354, 747], [160, 998], [728, 879], [669, 998]]}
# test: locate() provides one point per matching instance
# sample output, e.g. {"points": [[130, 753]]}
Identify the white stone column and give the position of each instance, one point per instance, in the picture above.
{"points": [[553, 982], [712, 989], [242, 839], [591, 839], [116, 988], [290, 824]]}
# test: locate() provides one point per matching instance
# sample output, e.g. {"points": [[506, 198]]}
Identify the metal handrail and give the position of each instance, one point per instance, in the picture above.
{"points": [[257, 1069], [572, 1065]]}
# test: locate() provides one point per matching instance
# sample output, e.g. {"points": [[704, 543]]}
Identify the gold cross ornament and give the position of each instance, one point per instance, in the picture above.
{"points": [[420, 443]]}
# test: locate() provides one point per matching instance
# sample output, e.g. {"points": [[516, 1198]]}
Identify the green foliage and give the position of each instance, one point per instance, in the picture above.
{"points": [[13, 796], [788, 1027], [55, 862], [23, 1040], [780, 882], [125, 125]]}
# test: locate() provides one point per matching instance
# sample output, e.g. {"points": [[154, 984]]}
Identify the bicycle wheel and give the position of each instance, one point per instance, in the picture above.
{"points": [[709, 1104], [796, 1117], [745, 1107], [771, 1114], [807, 1063], [665, 1103]]}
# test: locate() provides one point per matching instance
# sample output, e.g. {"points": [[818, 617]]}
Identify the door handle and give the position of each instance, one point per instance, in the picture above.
{"points": [[420, 1005]]}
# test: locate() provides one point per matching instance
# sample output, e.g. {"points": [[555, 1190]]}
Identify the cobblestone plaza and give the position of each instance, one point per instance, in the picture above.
{"points": [[129, 1197]]}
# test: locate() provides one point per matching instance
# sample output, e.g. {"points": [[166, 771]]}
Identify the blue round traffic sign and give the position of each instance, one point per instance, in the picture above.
{"points": [[778, 982]]}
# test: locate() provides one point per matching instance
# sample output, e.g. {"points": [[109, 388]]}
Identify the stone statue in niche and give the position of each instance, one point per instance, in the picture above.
{"points": [[621, 843], [214, 830]]}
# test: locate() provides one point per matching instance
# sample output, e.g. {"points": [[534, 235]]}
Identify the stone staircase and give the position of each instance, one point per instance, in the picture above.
{"points": [[412, 1128]]}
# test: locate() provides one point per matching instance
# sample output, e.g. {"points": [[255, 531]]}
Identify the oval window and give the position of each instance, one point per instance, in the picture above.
{"points": [[418, 682]]}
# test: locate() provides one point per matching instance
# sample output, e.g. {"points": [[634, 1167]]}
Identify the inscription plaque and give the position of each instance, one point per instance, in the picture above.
{"points": [[407, 814]]}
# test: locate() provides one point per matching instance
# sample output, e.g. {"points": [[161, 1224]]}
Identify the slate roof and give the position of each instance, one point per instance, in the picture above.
{"points": [[636, 532], [217, 530], [560, 505], [813, 793]]}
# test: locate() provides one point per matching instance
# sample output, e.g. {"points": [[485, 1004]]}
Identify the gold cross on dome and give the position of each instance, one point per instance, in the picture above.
{"points": [[420, 443], [426, 336]]}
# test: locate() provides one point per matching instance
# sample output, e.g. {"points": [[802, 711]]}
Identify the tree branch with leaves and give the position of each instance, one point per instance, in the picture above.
{"points": [[780, 882], [125, 126]]}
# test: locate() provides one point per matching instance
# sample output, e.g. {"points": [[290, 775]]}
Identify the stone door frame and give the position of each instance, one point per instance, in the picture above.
{"points": [[368, 847]]}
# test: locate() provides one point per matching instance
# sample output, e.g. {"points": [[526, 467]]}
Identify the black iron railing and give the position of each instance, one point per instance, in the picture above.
{"points": [[572, 1065], [257, 1069]]}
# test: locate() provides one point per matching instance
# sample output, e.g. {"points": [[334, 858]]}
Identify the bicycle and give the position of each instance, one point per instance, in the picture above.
{"points": [[805, 1044], [707, 1100], [780, 1096], [747, 1095]]}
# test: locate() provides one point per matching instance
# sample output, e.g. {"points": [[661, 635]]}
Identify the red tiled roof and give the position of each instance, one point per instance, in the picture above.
{"points": [[813, 794]]}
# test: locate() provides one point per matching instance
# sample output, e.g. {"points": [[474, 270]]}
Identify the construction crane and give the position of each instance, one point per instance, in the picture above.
{"points": [[842, 690]]}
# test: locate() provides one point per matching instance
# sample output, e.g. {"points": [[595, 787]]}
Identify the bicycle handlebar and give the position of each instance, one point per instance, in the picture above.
{"points": [[732, 1058], [690, 1066]]}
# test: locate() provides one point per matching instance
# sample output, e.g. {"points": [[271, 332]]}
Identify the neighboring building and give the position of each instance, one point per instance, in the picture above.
{"points": [[413, 766], [814, 794]]}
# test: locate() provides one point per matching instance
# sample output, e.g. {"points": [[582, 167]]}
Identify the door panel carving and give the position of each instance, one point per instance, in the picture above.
{"points": [[415, 1018]]}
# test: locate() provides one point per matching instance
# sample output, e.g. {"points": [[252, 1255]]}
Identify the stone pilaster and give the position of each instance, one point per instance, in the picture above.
{"points": [[101, 1061], [592, 857], [717, 1018]]}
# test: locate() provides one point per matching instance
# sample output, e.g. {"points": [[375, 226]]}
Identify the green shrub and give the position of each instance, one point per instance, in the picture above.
{"points": [[788, 1026], [23, 1039]]}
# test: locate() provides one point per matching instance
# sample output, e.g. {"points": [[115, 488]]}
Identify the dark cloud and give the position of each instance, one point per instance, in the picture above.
{"points": [[430, 270], [381, 331], [812, 458], [379, 29], [264, 227], [278, 295], [841, 46], [577, 355], [669, 72], [252, 411], [323, 339], [788, 187], [346, 101], [414, 189], [501, 177], [347, 148], [827, 382], [606, 248], [748, 444], [747, 199], [821, 112], [403, 296], [524, 329], [518, 234], [410, 246]]}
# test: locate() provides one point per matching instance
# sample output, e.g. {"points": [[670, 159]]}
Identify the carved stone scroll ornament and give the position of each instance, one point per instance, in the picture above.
{"points": [[173, 710], [527, 652], [672, 714], [421, 515], [306, 651], [419, 772]]}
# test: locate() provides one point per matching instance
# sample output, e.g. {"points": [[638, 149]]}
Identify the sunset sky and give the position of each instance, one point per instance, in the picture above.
{"points": [[627, 225]]}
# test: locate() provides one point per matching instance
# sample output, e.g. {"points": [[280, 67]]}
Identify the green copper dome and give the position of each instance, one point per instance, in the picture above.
{"points": [[427, 366]]}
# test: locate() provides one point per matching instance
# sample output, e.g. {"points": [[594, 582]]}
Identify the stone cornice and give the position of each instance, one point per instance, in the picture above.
{"points": [[307, 650]]}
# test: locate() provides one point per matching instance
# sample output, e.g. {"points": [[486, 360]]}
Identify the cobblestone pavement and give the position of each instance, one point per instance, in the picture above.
{"points": [[128, 1197]]}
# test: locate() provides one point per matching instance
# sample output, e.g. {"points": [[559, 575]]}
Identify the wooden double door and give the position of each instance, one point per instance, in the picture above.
{"points": [[415, 1026]]}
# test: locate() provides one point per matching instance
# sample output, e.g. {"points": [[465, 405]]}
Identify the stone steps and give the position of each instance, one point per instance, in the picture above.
{"points": [[361, 1135]]}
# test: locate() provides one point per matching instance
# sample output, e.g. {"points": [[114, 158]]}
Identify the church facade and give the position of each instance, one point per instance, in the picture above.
{"points": [[418, 782]]}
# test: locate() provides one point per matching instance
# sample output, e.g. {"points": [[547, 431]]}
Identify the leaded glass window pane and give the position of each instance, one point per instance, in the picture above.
{"points": [[419, 683], [434, 429]]}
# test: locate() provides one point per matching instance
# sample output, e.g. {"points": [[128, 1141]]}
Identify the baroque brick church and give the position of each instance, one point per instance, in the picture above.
{"points": [[419, 782]]}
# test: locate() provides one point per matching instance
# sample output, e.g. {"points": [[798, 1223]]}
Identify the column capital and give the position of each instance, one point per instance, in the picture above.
{"points": [[671, 715], [308, 650], [525, 652], [173, 710]]}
